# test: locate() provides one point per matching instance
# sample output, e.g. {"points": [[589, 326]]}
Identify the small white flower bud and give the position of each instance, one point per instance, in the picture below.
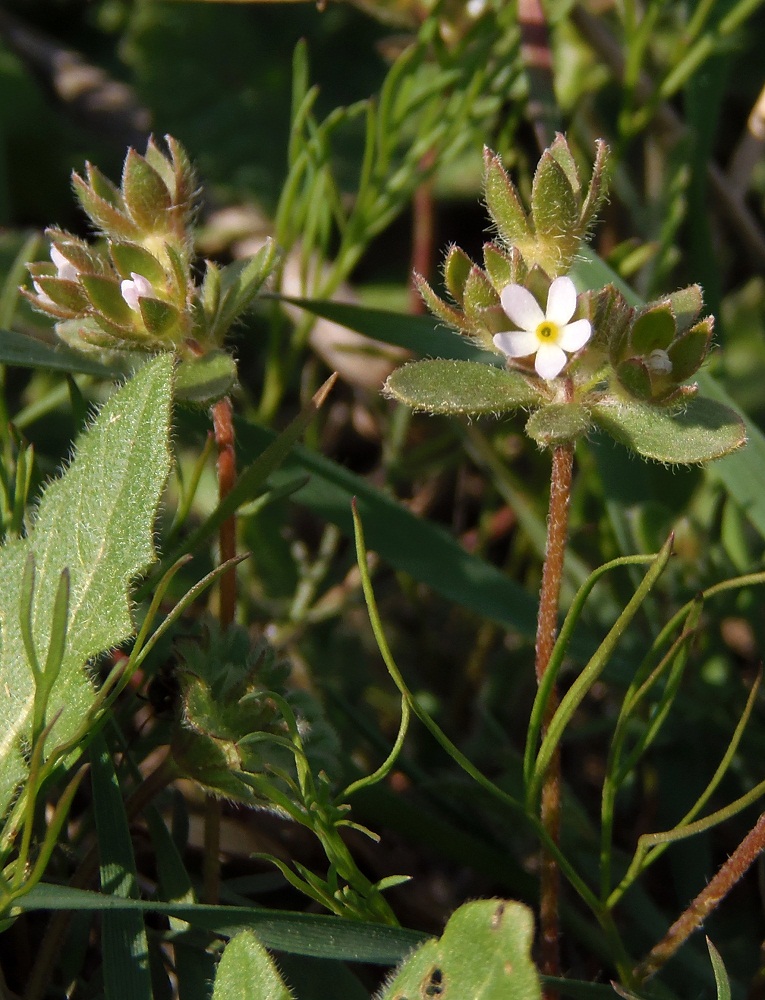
{"points": [[135, 288]]}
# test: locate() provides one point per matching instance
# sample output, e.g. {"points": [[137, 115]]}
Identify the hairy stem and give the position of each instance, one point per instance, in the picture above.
{"points": [[547, 624], [707, 900], [223, 429]]}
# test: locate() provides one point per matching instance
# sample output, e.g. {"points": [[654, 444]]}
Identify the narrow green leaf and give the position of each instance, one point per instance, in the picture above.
{"points": [[96, 520], [485, 951], [281, 930], [468, 387], [722, 983], [27, 352], [416, 333], [246, 972], [703, 430], [123, 936]]}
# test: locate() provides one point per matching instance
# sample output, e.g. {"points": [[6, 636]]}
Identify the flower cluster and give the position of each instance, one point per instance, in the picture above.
{"points": [[134, 289], [582, 360]]}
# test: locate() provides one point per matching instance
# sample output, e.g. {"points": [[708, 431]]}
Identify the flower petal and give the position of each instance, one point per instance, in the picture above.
{"points": [[575, 335], [549, 361], [516, 343], [561, 301], [522, 308], [65, 268]]}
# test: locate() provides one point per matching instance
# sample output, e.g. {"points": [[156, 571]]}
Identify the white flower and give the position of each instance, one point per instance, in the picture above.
{"points": [[548, 335], [135, 288], [65, 269]]}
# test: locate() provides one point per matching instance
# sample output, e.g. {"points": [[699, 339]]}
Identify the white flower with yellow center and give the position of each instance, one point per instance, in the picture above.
{"points": [[548, 335]]}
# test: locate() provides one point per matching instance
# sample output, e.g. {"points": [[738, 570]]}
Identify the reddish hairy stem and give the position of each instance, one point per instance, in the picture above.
{"points": [[707, 900], [223, 428], [423, 232], [547, 625]]}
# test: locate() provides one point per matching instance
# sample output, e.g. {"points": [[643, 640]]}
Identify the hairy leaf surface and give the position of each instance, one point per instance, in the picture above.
{"points": [[97, 521]]}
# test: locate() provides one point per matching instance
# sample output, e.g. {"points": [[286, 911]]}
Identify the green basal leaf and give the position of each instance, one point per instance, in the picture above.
{"points": [[558, 423], [485, 951], [97, 521], [702, 431], [205, 380], [469, 387], [246, 972]]}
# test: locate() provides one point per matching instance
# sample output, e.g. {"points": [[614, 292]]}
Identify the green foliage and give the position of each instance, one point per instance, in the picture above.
{"points": [[485, 951], [328, 148], [94, 530], [246, 972]]}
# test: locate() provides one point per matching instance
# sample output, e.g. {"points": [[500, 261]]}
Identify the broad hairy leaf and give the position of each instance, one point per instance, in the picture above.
{"points": [[469, 387], [247, 972], [484, 952], [96, 522], [703, 430]]}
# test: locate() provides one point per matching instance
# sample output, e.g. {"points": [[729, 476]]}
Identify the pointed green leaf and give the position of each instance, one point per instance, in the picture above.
{"points": [[563, 156], [503, 268], [503, 203], [106, 296], [485, 951], [635, 377], [598, 186], [554, 206], [160, 318], [103, 187], [97, 520], [66, 294], [457, 267], [702, 431], [131, 258], [653, 330], [241, 282], [689, 350], [246, 972], [146, 196], [104, 215], [722, 983], [445, 312], [440, 386], [686, 304]]}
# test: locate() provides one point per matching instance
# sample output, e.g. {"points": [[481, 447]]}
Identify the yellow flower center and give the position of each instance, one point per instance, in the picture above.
{"points": [[548, 330]]}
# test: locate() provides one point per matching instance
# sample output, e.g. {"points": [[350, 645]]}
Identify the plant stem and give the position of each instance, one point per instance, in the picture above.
{"points": [[547, 623], [223, 428], [423, 230], [707, 900]]}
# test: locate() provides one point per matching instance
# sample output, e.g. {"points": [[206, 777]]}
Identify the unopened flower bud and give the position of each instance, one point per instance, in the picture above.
{"points": [[135, 288]]}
